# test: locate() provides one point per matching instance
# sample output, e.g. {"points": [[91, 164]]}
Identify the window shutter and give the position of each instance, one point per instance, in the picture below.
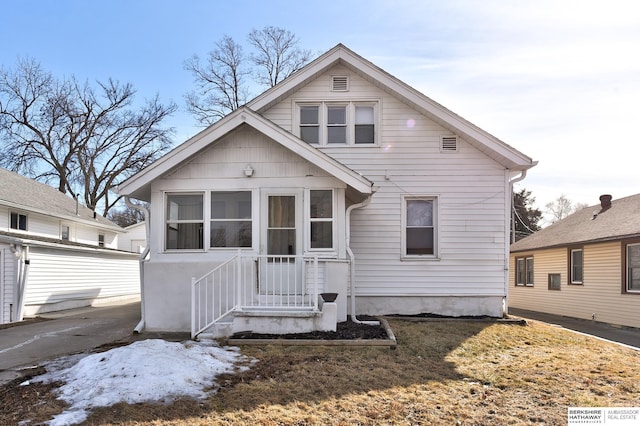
{"points": [[449, 143], [339, 83]]}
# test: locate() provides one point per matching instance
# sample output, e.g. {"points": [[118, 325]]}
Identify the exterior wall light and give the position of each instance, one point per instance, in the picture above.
{"points": [[248, 171]]}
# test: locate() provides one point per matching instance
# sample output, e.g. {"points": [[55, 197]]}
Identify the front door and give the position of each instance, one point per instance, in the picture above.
{"points": [[281, 268]]}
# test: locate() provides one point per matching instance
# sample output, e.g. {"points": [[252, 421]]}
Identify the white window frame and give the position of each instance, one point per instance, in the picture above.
{"points": [[308, 220], [436, 233], [526, 271], [350, 119], [209, 219], [571, 266], [166, 221]]}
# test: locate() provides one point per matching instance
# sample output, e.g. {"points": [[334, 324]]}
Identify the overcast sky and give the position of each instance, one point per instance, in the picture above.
{"points": [[558, 80]]}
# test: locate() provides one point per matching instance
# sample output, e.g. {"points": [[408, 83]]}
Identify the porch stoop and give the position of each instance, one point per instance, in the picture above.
{"points": [[274, 321]]}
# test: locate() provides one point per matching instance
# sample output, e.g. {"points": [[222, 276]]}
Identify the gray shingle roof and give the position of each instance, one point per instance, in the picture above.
{"points": [[21, 192], [621, 220]]}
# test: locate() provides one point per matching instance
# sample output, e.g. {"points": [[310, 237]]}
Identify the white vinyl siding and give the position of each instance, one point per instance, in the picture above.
{"points": [[602, 295], [63, 276], [407, 160]]}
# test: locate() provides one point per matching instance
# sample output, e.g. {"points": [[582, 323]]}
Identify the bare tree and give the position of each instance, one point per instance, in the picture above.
{"points": [[562, 207], [222, 79], [83, 137], [220, 82], [276, 55], [125, 215]]}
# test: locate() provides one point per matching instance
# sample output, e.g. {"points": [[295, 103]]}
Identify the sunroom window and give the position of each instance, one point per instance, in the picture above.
{"points": [[184, 221], [231, 224], [321, 219]]}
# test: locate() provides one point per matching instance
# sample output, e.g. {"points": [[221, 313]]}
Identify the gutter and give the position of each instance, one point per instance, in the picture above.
{"points": [[352, 261], [510, 228], [142, 260]]}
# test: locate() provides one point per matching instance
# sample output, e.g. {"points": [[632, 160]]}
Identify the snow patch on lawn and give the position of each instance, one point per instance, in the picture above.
{"points": [[146, 371]]}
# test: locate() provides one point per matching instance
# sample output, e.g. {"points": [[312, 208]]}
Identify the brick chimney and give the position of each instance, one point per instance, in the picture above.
{"points": [[605, 202]]}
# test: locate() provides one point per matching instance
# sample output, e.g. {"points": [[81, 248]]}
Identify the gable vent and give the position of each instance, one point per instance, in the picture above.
{"points": [[449, 143], [339, 83]]}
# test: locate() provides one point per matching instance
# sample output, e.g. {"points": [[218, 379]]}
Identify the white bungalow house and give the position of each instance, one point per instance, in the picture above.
{"points": [[56, 254], [339, 179]]}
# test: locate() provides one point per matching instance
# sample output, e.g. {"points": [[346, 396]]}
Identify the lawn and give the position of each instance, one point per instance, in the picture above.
{"points": [[446, 372]]}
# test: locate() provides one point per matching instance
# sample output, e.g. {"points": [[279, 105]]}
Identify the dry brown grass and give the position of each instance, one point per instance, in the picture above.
{"points": [[453, 372]]}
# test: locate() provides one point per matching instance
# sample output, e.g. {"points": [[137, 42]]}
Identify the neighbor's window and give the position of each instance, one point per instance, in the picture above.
{"points": [[328, 123], [321, 219], [231, 224], [633, 268], [184, 221], [18, 221], [554, 281], [100, 240], [576, 266], [419, 219], [64, 232], [524, 271]]}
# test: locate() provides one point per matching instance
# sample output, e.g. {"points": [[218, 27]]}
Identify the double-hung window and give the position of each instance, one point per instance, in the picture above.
{"points": [[419, 219], [231, 224], [184, 221], [338, 123], [632, 277], [18, 221], [321, 219], [524, 271], [576, 266]]}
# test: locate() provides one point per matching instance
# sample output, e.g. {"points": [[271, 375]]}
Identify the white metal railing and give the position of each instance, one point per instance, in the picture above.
{"points": [[254, 282]]}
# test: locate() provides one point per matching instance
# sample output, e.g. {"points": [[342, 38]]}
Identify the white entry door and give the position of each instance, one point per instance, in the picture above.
{"points": [[281, 269]]}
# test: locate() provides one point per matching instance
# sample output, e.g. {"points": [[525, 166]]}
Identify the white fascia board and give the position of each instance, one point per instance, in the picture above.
{"points": [[505, 154], [244, 115]]}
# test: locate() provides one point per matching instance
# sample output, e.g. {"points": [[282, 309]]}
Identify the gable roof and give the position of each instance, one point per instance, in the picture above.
{"points": [[493, 147], [591, 224], [139, 185], [26, 194]]}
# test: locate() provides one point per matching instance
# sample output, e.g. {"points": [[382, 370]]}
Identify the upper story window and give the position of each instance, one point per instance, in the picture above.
{"points": [[419, 218], [231, 223], [184, 221], [100, 240], [338, 123], [18, 221]]}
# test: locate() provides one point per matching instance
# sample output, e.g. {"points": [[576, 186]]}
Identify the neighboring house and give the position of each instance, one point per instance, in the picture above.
{"points": [[584, 266], [57, 254], [339, 179], [134, 238]]}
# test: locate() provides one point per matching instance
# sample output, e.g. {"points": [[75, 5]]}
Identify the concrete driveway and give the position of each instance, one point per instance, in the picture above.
{"points": [[25, 346], [623, 335]]}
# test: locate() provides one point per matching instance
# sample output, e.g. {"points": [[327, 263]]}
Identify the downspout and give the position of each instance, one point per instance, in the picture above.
{"points": [[143, 258], [509, 230], [22, 278], [352, 261]]}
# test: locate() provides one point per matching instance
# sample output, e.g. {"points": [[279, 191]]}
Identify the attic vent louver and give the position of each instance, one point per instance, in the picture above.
{"points": [[449, 143], [339, 83]]}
